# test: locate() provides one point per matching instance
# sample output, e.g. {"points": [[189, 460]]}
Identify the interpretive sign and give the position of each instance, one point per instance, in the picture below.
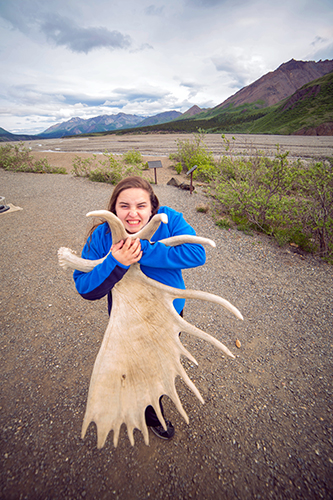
{"points": [[155, 164]]}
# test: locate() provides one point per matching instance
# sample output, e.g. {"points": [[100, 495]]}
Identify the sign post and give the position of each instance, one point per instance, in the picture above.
{"points": [[190, 172], [155, 164]]}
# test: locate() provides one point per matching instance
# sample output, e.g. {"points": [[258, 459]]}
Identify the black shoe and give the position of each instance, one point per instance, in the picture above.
{"points": [[164, 434]]}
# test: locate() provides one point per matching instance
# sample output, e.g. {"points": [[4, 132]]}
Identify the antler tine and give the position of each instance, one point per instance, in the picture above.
{"points": [[148, 231], [173, 241], [117, 229]]}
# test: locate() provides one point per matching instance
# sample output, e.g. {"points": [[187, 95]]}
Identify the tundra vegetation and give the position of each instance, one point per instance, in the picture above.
{"points": [[109, 169], [19, 159], [291, 201]]}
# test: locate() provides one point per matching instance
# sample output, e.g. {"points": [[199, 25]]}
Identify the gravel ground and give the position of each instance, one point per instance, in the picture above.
{"points": [[265, 430]]}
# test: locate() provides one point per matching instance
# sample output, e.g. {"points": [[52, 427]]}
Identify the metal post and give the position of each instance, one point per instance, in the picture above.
{"points": [[190, 172], [155, 164]]}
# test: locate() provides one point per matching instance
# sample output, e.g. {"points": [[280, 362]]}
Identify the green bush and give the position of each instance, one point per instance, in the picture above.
{"points": [[82, 166], [108, 169], [223, 223], [133, 157], [179, 168], [289, 201], [18, 158], [316, 187], [191, 153]]}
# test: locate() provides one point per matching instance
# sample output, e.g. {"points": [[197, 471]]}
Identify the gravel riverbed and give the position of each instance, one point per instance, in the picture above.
{"points": [[265, 430]]}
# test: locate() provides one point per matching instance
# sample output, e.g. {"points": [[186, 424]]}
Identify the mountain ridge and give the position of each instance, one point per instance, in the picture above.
{"points": [[164, 117], [100, 123], [276, 85]]}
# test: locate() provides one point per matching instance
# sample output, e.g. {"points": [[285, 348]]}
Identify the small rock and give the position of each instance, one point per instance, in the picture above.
{"points": [[173, 182]]}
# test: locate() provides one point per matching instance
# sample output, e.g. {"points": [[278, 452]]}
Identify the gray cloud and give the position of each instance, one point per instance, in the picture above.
{"points": [[17, 17], [322, 49], [30, 95], [86, 100], [152, 10], [63, 31], [323, 53], [208, 3], [318, 40], [31, 16], [134, 95], [193, 88], [238, 74]]}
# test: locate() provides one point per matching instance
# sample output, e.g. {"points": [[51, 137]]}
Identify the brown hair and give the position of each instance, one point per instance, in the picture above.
{"points": [[133, 182], [129, 183]]}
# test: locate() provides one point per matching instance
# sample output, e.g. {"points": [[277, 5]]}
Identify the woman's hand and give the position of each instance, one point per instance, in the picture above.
{"points": [[127, 252]]}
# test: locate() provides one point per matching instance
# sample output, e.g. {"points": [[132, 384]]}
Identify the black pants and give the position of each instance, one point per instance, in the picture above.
{"points": [[150, 414], [151, 417]]}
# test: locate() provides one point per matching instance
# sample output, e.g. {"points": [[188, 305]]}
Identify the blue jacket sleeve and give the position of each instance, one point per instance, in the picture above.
{"points": [[98, 282], [182, 256]]}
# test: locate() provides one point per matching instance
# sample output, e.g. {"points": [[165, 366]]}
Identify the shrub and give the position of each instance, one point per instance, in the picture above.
{"points": [[255, 189], [191, 153], [289, 201], [179, 168], [316, 186], [108, 169], [202, 209], [18, 158], [133, 157], [223, 223], [82, 167]]}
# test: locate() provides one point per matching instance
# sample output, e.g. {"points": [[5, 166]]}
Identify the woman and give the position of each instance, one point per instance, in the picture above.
{"points": [[134, 202]]}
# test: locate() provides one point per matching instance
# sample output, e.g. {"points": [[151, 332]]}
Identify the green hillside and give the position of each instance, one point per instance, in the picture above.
{"points": [[309, 107]]}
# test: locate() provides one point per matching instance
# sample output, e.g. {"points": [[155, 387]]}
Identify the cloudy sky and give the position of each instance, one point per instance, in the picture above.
{"points": [[65, 58]]}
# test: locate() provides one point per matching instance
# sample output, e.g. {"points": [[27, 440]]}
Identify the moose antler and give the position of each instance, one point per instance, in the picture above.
{"points": [[139, 358]]}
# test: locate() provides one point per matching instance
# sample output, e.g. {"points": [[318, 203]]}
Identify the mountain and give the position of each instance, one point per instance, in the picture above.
{"points": [[169, 116], [279, 84], [309, 111], [106, 123], [165, 117], [102, 123], [195, 110], [8, 137]]}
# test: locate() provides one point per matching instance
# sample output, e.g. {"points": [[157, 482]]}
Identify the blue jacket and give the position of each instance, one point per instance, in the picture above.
{"points": [[158, 261]]}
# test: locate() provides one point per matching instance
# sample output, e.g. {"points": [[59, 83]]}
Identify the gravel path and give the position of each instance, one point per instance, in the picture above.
{"points": [[265, 430]]}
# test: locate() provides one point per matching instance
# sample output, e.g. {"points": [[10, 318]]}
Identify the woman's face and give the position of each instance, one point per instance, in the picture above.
{"points": [[133, 208]]}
